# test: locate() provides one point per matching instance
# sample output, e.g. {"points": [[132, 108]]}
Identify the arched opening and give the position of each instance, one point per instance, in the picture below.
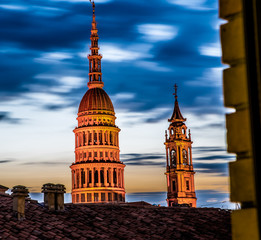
{"points": [[96, 176], [185, 157], [171, 131], [102, 176], [82, 177], [95, 138], [173, 156], [174, 189], [77, 180], [90, 176], [90, 138], [108, 176], [114, 176]]}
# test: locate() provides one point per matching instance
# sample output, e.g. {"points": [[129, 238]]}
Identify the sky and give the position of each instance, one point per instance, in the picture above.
{"points": [[147, 47]]}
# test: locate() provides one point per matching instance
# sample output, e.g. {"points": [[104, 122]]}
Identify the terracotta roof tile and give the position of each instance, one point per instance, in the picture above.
{"points": [[107, 221]]}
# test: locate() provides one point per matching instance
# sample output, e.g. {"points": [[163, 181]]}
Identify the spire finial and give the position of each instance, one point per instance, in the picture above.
{"points": [[93, 6], [176, 90], [95, 75]]}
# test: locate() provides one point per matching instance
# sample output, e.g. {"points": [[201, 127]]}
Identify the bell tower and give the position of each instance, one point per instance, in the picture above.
{"points": [[179, 170]]}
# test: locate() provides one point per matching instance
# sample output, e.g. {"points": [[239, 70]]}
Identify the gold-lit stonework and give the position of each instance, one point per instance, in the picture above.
{"points": [[97, 173], [179, 171]]}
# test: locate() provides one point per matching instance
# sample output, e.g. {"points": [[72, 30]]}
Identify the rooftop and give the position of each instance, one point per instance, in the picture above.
{"points": [[113, 221]]}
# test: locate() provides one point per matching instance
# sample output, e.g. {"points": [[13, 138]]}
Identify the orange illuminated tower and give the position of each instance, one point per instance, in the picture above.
{"points": [[179, 171], [97, 173]]}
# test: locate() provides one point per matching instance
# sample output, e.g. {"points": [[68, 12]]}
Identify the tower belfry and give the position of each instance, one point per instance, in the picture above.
{"points": [[97, 172], [179, 169]]}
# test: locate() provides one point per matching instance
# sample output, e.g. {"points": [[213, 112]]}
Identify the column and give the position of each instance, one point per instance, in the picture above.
{"points": [[72, 179], [167, 156], [122, 178], [80, 178], [119, 175], [192, 183], [178, 157], [92, 133], [190, 156], [87, 138], [98, 137]]}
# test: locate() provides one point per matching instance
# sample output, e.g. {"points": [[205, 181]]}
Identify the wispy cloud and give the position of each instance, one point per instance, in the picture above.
{"points": [[5, 117], [138, 159], [6, 161]]}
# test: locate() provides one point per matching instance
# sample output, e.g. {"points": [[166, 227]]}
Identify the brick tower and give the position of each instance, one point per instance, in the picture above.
{"points": [[97, 173], [179, 171]]}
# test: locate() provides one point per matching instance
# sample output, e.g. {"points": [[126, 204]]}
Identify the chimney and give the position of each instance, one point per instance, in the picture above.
{"points": [[3, 189], [19, 194], [54, 196], [60, 190]]}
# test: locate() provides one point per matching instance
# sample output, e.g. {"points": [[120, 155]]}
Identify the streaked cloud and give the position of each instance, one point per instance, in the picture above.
{"points": [[13, 7], [2, 161], [157, 32], [212, 50], [153, 66], [193, 4], [53, 57], [113, 53]]}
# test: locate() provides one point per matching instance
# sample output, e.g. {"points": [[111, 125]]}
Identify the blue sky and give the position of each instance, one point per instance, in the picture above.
{"points": [[147, 47]]}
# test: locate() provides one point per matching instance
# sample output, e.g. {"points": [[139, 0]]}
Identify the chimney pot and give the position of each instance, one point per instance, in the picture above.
{"points": [[54, 196], [19, 194]]}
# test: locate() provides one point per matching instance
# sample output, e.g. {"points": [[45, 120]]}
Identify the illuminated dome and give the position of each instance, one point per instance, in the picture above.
{"points": [[96, 99]]}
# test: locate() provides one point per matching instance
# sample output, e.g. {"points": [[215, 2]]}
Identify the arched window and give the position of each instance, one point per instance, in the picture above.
{"points": [[82, 177], [171, 131], [96, 178], [183, 131], [100, 137], [108, 176], [102, 176], [90, 176], [114, 176], [95, 138], [77, 180], [83, 138], [110, 138], [189, 156], [185, 157], [90, 138], [173, 156]]}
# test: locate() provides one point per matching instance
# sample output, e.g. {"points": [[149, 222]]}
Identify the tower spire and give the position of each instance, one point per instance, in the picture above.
{"points": [[95, 75], [176, 115]]}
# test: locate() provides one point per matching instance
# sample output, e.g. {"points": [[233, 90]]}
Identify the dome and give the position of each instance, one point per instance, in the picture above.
{"points": [[96, 99]]}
